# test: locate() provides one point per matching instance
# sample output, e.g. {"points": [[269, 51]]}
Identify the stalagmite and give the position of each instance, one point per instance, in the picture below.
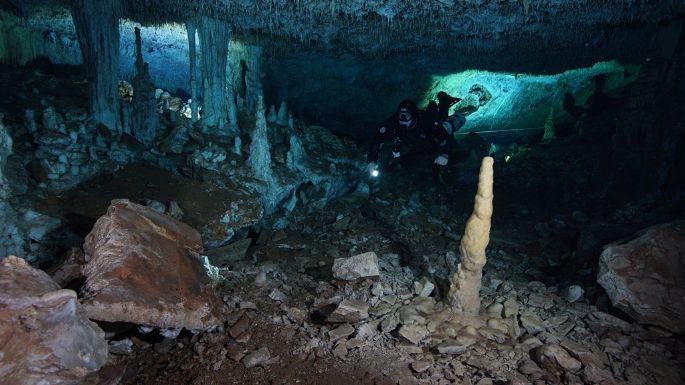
{"points": [[190, 27], [217, 96], [144, 119], [272, 116], [97, 29], [282, 117], [260, 156], [465, 286]]}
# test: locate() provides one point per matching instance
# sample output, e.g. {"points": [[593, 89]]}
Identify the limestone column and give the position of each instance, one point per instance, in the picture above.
{"points": [[97, 30], [217, 96], [466, 282], [253, 81], [145, 118], [192, 56]]}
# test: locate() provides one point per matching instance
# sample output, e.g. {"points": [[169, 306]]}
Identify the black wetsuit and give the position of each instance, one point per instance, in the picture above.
{"points": [[424, 133], [444, 104]]}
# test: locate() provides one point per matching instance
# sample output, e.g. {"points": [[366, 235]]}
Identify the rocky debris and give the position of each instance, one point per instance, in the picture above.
{"points": [[573, 293], [70, 151], [555, 360], [46, 337], [643, 276], [240, 327], [358, 266], [242, 212], [452, 347], [124, 346], [229, 254], [349, 311], [414, 333], [144, 268], [424, 287], [421, 365], [340, 332], [256, 358]]}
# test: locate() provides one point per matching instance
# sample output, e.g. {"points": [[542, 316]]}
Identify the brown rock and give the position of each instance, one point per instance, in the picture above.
{"points": [[643, 276], [144, 268], [44, 334], [240, 327]]}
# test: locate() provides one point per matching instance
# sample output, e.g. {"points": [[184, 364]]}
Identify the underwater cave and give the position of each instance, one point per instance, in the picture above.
{"points": [[342, 192]]}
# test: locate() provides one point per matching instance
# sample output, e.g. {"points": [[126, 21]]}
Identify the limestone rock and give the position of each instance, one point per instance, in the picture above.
{"points": [[257, 358], [555, 355], [144, 268], [573, 293], [349, 311], [362, 265], [45, 336], [451, 347], [424, 287], [421, 366], [340, 332], [643, 276], [232, 253], [414, 333]]}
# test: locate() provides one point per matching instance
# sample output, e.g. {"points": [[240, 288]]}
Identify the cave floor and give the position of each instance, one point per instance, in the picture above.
{"points": [[283, 287]]}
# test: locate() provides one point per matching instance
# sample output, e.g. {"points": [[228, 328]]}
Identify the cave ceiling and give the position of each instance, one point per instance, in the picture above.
{"points": [[514, 35]]}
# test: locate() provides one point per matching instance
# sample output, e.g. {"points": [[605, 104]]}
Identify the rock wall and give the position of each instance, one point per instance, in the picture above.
{"points": [[11, 236]]}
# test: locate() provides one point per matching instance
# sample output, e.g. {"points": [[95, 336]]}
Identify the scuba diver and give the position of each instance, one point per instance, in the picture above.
{"points": [[412, 133]]}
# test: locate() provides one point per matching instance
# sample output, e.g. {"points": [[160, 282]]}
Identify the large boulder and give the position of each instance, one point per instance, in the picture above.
{"points": [[644, 276], [144, 267], [45, 337]]}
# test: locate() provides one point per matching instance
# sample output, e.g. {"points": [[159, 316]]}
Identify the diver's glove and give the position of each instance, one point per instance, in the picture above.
{"points": [[441, 160]]}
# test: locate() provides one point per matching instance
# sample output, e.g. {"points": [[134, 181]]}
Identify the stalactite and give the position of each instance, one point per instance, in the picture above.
{"points": [[144, 120], [97, 29], [190, 28], [214, 38]]}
